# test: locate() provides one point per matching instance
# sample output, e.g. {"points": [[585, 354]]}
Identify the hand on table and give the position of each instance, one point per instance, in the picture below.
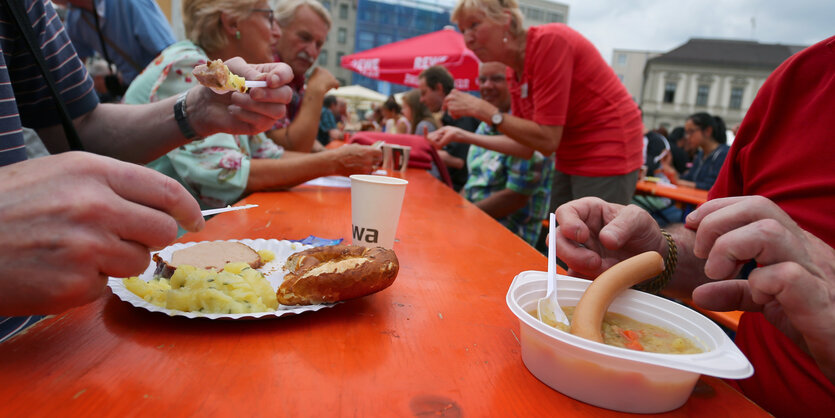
{"points": [[356, 159], [242, 113], [71, 220], [446, 134], [794, 285], [609, 233]]}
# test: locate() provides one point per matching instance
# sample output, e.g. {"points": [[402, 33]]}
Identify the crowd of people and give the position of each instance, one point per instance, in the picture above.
{"points": [[552, 130]]}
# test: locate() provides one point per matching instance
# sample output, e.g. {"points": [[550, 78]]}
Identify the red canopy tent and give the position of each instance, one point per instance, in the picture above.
{"points": [[401, 62]]}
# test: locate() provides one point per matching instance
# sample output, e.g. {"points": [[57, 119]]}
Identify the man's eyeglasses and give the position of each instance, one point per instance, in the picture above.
{"points": [[270, 14]]}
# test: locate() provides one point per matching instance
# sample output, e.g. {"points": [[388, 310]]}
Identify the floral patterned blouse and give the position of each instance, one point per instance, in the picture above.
{"points": [[214, 169]]}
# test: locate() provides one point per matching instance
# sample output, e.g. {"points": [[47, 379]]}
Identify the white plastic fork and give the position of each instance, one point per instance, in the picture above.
{"points": [[548, 308], [248, 83], [208, 212]]}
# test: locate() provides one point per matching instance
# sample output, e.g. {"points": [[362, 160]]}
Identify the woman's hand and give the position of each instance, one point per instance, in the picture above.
{"points": [[459, 104], [794, 285], [594, 235], [242, 113], [356, 159]]}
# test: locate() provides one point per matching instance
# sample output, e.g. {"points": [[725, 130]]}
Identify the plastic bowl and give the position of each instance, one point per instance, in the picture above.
{"points": [[613, 377]]}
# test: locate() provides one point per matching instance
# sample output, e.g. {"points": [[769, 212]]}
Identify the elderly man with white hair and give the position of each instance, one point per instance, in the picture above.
{"points": [[304, 26]]}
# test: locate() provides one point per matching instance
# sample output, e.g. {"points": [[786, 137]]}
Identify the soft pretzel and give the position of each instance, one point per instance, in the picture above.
{"points": [[335, 273], [588, 316]]}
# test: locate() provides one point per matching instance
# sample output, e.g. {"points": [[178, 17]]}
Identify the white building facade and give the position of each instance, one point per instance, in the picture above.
{"points": [[629, 66], [720, 77]]}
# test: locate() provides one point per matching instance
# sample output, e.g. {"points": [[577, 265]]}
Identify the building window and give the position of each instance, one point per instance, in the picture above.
{"points": [[384, 39], [620, 77], [343, 11], [327, 4], [701, 94], [404, 17], [341, 81], [424, 21], [367, 13], [339, 56], [556, 17], [535, 14], [365, 40], [342, 36], [669, 92], [736, 98], [323, 57], [621, 59]]}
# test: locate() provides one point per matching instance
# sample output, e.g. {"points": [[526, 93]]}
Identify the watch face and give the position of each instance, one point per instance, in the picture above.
{"points": [[496, 119]]}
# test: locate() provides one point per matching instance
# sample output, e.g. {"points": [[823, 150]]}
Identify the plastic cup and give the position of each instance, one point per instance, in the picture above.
{"points": [[375, 209], [395, 158]]}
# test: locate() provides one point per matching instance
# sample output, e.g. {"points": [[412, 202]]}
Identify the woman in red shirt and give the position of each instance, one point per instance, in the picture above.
{"points": [[565, 99]]}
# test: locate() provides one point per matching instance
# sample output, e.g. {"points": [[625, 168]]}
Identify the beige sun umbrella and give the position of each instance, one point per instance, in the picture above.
{"points": [[358, 93]]}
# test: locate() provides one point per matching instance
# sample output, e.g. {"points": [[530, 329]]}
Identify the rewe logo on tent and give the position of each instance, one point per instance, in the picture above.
{"points": [[369, 67], [422, 63]]}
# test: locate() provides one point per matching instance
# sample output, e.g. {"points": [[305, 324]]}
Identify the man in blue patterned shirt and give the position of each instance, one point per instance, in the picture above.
{"points": [[513, 190]]}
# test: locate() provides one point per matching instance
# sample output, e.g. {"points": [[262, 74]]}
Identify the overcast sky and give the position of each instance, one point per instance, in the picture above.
{"points": [[661, 25]]}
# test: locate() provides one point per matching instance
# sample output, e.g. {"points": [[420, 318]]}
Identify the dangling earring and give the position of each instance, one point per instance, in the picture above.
{"points": [[238, 35]]}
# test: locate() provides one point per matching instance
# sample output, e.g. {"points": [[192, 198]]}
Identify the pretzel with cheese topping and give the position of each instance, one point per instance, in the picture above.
{"points": [[336, 273]]}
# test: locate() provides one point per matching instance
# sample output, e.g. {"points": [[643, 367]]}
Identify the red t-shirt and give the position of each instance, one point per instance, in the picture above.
{"points": [[566, 83], [784, 152]]}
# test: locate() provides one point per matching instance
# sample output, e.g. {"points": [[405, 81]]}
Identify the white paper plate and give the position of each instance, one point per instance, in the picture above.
{"points": [[273, 271]]}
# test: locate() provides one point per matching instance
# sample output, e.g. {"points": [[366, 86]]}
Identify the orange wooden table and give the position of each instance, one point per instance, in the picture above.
{"points": [[678, 193], [439, 341]]}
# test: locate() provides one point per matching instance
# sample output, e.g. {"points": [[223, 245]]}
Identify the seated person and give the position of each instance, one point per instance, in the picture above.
{"points": [[679, 158], [663, 210], [395, 122], [222, 168], [328, 126], [513, 190], [304, 29], [707, 134], [134, 32], [435, 84], [419, 116]]}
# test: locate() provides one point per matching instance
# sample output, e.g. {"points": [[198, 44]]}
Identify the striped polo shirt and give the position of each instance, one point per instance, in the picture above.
{"points": [[25, 98]]}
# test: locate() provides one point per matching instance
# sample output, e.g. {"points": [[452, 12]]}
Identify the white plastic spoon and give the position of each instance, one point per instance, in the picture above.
{"points": [[548, 308]]}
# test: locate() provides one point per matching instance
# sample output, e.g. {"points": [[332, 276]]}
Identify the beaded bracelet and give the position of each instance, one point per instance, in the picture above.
{"points": [[657, 283]]}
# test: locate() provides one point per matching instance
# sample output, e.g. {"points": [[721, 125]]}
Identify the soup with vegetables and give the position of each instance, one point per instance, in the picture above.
{"points": [[623, 331]]}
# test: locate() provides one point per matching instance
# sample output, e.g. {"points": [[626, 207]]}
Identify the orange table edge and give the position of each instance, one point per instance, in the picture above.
{"points": [[679, 193]]}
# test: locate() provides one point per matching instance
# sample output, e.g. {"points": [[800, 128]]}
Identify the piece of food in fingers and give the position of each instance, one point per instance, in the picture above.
{"points": [[336, 273], [209, 255], [588, 316], [216, 75]]}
